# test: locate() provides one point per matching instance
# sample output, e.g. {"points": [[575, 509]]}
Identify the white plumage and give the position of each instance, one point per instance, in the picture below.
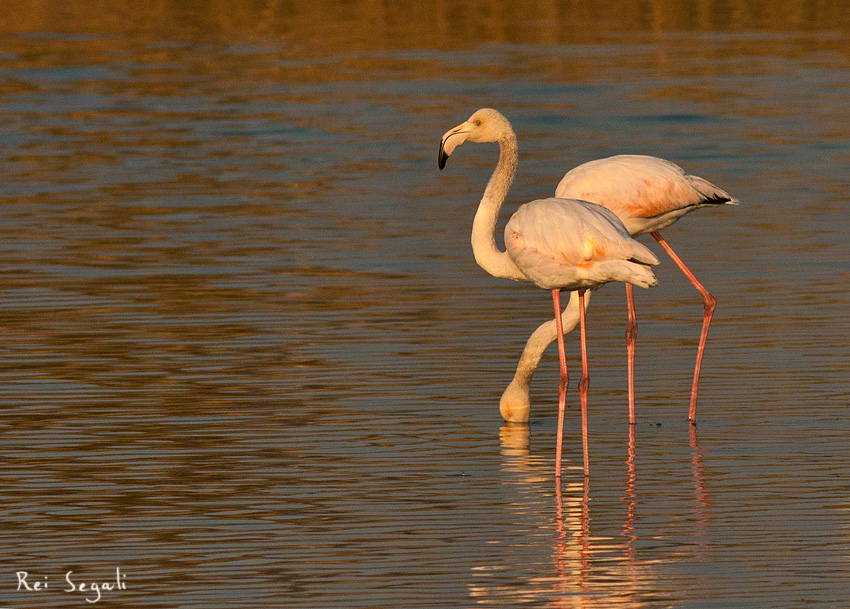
{"points": [[554, 243], [572, 245], [647, 193]]}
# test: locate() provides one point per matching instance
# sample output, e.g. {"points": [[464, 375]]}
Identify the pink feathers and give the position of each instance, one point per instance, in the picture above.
{"points": [[568, 244], [645, 192]]}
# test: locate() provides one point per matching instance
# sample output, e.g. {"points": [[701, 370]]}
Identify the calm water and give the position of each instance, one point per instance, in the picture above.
{"points": [[248, 359]]}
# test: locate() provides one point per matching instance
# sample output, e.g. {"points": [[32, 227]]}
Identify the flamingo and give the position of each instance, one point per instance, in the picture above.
{"points": [[556, 244], [647, 194]]}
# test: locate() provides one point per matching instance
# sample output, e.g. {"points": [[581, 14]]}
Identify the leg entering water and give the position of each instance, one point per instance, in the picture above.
{"points": [[631, 338], [563, 382], [583, 385], [708, 310]]}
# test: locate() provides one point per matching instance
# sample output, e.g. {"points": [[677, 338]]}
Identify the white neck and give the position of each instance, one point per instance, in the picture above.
{"points": [[487, 255], [516, 400]]}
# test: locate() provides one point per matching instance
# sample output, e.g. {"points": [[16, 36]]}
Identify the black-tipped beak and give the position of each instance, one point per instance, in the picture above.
{"points": [[447, 144]]}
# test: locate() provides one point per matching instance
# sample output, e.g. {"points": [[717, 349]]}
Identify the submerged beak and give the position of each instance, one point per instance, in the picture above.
{"points": [[451, 140]]}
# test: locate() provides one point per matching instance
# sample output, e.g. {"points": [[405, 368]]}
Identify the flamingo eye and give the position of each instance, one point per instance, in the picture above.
{"points": [[478, 122]]}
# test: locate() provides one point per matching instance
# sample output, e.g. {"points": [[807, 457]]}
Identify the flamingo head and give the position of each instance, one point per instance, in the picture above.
{"points": [[486, 125], [515, 403]]}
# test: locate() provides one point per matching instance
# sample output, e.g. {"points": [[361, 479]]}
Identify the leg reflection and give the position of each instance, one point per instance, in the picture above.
{"points": [[613, 568], [572, 554], [630, 497], [702, 507]]}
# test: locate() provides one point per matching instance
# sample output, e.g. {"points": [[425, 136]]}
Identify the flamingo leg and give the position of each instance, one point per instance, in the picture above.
{"points": [[709, 304], [583, 385], [631, 337], [562, 383]]}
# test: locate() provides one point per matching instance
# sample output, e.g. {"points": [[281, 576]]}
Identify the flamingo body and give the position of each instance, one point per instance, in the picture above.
{"points": [[647, 193], [570, 245]]}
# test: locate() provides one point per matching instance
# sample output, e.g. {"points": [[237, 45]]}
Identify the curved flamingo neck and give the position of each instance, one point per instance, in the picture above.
{"points": [[487, 255]]}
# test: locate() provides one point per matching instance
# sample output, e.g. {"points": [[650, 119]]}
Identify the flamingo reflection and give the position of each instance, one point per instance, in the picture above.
{"points": [[590, 570], [630, 497], [572, 549], [702, 507]]}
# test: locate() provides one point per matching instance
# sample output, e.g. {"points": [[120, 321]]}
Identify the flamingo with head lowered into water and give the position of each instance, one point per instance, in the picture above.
{"points": [[647, 194]]}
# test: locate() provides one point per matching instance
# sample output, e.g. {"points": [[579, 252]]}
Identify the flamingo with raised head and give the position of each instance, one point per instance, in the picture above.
{"points": [[647, 194], [556, 244]]}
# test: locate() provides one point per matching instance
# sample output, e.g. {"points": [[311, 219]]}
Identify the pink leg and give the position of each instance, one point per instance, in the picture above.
{"points": [[562, 383], [708, 310], [631, 337], [583, 385]]}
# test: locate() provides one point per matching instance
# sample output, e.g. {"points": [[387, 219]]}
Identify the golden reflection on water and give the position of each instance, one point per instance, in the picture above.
{"points": [[590, 569], [327, 26], [245, 346]]}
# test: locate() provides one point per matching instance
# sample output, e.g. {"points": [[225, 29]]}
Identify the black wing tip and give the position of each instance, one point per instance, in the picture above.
{"points": [[719, 198]]}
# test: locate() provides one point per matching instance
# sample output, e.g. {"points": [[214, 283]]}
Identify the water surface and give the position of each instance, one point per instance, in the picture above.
{"points": [[248, 358]]}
